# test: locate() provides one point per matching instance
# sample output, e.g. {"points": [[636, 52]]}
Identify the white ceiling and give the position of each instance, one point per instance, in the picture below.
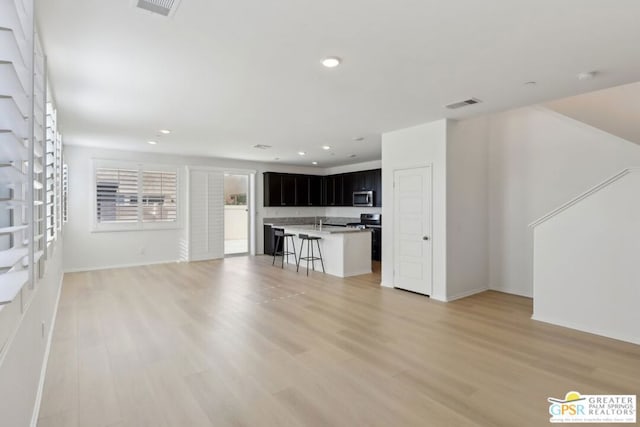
{"points": [[615, 110], [225, 75]]}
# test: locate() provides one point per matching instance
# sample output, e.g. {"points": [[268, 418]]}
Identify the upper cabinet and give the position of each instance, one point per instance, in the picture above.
{"points": [[333, 190], [283, 189], [308, 190]]}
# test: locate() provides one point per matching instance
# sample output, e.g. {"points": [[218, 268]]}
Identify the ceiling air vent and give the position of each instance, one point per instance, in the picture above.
{"points": [[160, 7], [262, 146], [463, 103]]}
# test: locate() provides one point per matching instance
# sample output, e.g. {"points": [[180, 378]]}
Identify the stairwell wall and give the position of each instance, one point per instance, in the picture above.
{"points": [[538, 160]]}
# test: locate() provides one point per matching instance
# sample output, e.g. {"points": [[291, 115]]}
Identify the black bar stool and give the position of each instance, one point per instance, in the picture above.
{"points": [[280, 234], [312, 258]]}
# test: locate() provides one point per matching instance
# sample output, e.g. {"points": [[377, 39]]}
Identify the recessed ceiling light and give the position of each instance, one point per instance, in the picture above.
{"points": [[331, 61], [314, 163], [301, 153], [589, 75], [152, 142], [326, 147], [165, 131], [359, 138]]}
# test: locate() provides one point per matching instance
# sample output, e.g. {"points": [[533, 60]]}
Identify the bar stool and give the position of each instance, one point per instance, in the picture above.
{"points": [[280, 234], [312, 258]]}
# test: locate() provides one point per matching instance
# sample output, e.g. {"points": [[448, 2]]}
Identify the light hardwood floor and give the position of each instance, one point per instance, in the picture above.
{"points": [[239, 342]]}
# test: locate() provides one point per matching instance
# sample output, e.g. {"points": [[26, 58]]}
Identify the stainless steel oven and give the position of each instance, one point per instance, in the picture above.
{"points": [[363, 198]]}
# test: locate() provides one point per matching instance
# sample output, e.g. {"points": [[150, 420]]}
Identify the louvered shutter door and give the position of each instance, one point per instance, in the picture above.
{"points": [[216, 214], [206, 215]]}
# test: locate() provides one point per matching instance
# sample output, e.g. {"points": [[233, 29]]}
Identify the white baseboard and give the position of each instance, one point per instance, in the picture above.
{"points": [[109, 267], [466, 294], [45, 361], [581, 328]]}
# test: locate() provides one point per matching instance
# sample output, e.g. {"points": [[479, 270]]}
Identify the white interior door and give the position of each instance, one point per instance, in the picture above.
{"points": [[412, 246], [206, 215]]}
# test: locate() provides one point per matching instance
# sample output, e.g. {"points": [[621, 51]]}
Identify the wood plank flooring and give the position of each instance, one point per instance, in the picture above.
{"points": [[238, 342]]}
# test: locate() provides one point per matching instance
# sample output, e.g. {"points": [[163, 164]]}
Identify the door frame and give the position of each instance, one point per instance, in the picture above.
{"points": [[431, 231], [186, 255], [250, 234]]}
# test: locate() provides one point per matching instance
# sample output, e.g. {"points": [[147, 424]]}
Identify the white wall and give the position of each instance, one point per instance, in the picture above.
{"points": [[467, 207], [586, 269], [538, 160], [409, 148], [86, 250], [22, 361]]}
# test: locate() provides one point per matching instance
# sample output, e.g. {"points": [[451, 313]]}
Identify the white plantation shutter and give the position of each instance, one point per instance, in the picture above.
{"points": [[206, 215], [116, 195], [50, 176], [23, 220], [65, 193], [135, 197], [159, 196]]}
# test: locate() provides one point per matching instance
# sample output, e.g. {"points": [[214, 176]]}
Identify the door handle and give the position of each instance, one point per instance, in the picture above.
{"points": [[425, 237]]}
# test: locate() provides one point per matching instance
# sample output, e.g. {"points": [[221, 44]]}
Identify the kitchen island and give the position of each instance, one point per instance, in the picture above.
{"points": [[345, 251]]}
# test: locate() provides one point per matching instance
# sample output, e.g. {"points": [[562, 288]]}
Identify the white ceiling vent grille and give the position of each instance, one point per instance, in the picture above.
{"points": [[262, 146], [464, 103], [160, 7]]}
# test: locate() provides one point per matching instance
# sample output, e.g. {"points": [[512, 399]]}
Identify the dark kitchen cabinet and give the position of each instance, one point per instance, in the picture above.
{"points": [[315, 190], [288, 192], [270, 240], [364, 181], [283, 189], [333, 190], [279, 189], [376, 244], [377, 187], [302, 190], [272, 189], [308, 190], [348, 186]]}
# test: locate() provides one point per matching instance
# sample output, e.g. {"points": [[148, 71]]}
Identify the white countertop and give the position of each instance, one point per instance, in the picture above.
{"points": [[326, 229]]}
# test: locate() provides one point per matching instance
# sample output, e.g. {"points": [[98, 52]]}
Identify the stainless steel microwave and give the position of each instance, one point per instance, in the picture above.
{"points": [[363, 198]]}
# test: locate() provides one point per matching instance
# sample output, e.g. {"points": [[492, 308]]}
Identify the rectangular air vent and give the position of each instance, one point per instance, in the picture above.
{"points": [[160, 7], [262, 146], [464, 103]]}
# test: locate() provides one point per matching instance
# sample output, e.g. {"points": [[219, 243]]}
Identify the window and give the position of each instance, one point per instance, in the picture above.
{"points": [[117, 195], [135, 197], [159, 198]]}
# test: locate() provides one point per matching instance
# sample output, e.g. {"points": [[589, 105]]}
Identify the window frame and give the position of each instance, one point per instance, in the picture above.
{"points": [[139, 224]]}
